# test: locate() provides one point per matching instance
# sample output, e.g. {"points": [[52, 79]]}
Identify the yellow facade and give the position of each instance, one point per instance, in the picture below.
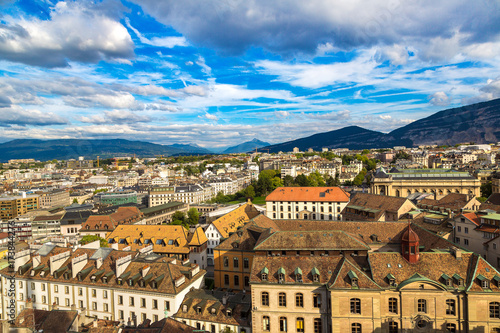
{"points": [[15, 206], [231, 263]]}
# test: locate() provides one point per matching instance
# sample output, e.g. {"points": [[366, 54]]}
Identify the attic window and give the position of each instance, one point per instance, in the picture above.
{"points": [[229, 312], [198, 310], [212, 311], [142, 283], [147, 241], [485, 284], [92, 278], [105, 279], [88, 227], [170, 242], [120, 282], [184, 308]]}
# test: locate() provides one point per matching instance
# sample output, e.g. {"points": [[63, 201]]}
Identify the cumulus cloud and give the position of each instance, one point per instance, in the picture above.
{"points": [[281, 114], [73, 33], [16, 115], [211, 117], [440, 98], [293, 25], [115, 117]]}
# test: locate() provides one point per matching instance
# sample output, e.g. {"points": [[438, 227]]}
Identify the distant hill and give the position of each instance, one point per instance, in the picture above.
{"points": [[245, 147], [191, 148], [479, 123], [65, 149]]}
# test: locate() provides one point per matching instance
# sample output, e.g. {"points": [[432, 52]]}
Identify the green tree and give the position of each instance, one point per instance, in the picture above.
{"points": [[486, 190], [315, 179], [358, 180], [75, 200], [92, 238], [249, 192], [179, 216], [330, 181], [193, 216], [365, 151], [288, 181], [301, 180]]}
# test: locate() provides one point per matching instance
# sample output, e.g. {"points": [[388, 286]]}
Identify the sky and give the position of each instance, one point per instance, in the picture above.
{"points": [[219, 73]]}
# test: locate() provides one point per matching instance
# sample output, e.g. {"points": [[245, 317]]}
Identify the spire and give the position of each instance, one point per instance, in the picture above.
{"points": [[410, 245]]}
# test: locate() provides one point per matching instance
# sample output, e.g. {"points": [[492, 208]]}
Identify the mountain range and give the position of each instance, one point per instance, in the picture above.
{"points": [[479, 123]]}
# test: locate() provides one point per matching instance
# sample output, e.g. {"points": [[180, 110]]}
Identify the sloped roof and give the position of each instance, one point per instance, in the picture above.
{"points": [[314, 194], [237, 218], [376, 204], [99, 222], [126, 214]]}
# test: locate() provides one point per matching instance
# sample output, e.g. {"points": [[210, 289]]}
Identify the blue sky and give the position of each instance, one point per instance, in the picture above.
{"points": [[218, 73]]}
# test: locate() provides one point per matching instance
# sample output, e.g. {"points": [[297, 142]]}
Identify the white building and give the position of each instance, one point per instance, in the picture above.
{"points": [[105, 283]]}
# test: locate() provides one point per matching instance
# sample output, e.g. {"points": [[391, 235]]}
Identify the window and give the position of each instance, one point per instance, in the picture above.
{"points": [[67, 301], [283, 324], [80, 291], [226, 262], [246, 263], [466, 241], [155, 318], [131, 301], [265, 298], [66, 290], [466, 230], [167, 305], [317, 325], [317, 300], [120, 314], [33, 286], [452, 328], [393, 327], [247, 281], [236, 263], [43, 286], [495, 310], [120, 300], [457, 240], [459, 229], [80, 305], [422, 305], [282, 299], [143, 302], [94, 305], [212, 328], [300, 325], [266, 325], [94, 293], [226, 279], [105, 294], [236, 281], [56, 299], [450, 307], [356, 328], [485, 284], [355, 305], [106, 307], [44, 299], [299, 300], [393, 305], [155, 304], [143, 317], [56, 288]]}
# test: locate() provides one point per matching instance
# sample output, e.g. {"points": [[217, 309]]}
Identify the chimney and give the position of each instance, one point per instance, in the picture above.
{"points": [[458, 254], [224, 300]]}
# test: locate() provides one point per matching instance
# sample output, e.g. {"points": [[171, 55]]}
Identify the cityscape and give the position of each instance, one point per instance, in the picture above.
{"points": [[249, 167]]}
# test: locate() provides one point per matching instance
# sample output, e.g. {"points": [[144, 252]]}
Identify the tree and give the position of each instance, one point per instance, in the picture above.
{"points": [[302, 180], [249, 192], [288, 181], [92, 238], [193, 216], [365, 151], [358, 180], [486, 190], [179, 216], [315, 179], [75, 200]]}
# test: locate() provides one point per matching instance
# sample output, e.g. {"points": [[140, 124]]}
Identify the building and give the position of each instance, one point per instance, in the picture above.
{"points": [[105, 283], [369, 277], [439, 182], [170, 240], [314, 203], [116, 198], [190, 194], [162, 214], [11, 207], [373, 207], [79, 164], [54, 198], [72, 221], [452, 202], [215, 311], [46, 225], [234, 256], [226, 224], [98, 225]]}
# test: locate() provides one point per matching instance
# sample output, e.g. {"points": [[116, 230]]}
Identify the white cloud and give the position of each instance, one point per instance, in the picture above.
{"points": [[167, 42], [211, 117], [440, 98], [281, 114], [115, 117], [16, 115], [73, 33]]}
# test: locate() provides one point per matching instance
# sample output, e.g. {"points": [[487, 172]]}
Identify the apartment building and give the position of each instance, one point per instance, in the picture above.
{"points": [[54, 198], [105, 283], [190, 194], [315, 203], [13, 206]]}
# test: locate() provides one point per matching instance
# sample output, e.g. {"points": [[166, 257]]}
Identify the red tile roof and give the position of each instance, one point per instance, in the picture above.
{"points": [[314, 194]]}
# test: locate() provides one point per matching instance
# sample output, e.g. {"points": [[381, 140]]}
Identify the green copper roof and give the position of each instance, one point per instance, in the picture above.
{"points": [[298, 271], [315, 271], [352, 275], [281, 270], [264, 270]]}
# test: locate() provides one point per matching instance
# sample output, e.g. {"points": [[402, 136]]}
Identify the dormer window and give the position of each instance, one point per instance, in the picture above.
{"points": [[184, 308], [92, 278], [315, 274], [198, 310], [264, 273], [120, 282], [354, 278], [131, 282], [212, 311], [281, 275], [229, 313], [154, 285], [485, 284], [142, 283], [105, 279]]}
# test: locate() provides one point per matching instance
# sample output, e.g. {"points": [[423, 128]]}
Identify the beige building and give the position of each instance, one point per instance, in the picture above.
{"points": [[343, 278], [375, 207], [439, 182], [56, 198]]}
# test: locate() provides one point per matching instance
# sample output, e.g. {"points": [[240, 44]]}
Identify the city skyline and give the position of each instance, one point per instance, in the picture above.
{"points": [[224, 73]]}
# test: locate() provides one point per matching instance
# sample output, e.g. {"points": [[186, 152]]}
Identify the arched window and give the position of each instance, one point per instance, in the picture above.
{"points": [[450, 307], [494, 310], [355, 305], [393, 305], [393, 327], [266, 323], [265, 298], [355, 328], [422, 305], [282, 299], [318, 325], [283, 324], [300, 325], [299, 300]]}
